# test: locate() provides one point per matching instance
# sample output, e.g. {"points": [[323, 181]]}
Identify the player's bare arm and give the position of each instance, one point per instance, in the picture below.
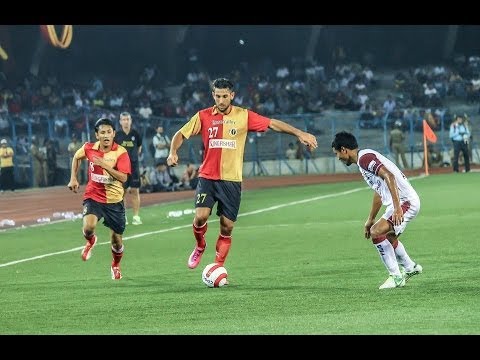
{"points": [[120, 176], [389, 178], [73, 183], [376, 205], [176, 143], [304, 137]]}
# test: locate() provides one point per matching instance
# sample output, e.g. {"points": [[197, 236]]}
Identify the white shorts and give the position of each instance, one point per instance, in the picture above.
{"points": [[410, 211]]}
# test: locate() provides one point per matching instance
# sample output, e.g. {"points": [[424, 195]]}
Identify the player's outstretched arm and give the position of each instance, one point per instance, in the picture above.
{"points": [[304, 137]]}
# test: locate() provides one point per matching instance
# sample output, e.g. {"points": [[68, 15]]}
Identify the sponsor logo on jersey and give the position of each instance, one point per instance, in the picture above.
{"points": [[225, 122], [223, 144], [103, 179]]}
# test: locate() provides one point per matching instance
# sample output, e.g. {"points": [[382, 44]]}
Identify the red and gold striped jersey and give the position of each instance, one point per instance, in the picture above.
{"points": [[224, 139], [102, 186]]}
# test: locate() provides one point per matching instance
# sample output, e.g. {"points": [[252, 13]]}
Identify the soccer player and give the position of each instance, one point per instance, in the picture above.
{"points": [[131, 140], [108, 169], [402, 204], [224, 129]]}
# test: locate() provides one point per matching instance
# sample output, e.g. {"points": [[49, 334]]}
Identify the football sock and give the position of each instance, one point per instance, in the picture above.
{"points": [[402, 256], [222, 248], [117, 255], [199, 233], [88, 236], [387, 255]]}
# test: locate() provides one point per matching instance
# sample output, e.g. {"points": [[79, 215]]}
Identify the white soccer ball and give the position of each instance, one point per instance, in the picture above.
{"points": [[214, 275]]}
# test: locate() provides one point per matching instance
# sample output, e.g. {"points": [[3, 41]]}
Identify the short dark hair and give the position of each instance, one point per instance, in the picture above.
{"points": [[222, 83], [103, 121], [344, 139]]}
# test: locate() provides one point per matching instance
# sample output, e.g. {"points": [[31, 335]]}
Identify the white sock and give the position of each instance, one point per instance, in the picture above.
{"points": [[403, 258], [387, 254]]}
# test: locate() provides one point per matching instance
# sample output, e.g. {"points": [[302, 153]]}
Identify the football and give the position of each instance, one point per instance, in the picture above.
{"points": [[214, 275]]}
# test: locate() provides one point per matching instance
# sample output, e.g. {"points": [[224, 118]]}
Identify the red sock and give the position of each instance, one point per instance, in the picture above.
{"points": [[117, 256], [199, 233], [89, 238], [222, 248]]}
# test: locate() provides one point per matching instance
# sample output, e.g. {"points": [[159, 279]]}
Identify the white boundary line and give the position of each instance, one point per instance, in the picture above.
{"points": [[271, 208]]}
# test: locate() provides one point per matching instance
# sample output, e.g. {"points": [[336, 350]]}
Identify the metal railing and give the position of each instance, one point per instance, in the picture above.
{"points": [[264, 152]]}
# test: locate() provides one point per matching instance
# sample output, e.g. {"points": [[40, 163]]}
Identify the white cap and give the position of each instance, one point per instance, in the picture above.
{"points": [[4, 141]]}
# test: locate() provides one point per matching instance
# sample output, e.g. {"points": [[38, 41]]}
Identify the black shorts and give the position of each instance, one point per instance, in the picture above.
{"points": [[133, 179], [227, 193], [114, 214]]}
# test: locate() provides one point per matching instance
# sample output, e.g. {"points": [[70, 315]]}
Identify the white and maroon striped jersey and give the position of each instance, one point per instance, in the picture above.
{"points": [[369, 162]]}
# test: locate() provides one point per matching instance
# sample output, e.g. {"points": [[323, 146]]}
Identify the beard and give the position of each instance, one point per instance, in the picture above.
{"points": [[224, 108]]}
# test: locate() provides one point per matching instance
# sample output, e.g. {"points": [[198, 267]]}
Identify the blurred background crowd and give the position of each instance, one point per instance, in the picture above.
{"points": [[370, 79]]}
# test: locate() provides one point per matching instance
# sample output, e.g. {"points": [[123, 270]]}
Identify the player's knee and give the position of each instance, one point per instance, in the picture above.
{"points": [[201, 217], [375, 232], [226, 230], [379, 230], [199, 221], [226, 225]]}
